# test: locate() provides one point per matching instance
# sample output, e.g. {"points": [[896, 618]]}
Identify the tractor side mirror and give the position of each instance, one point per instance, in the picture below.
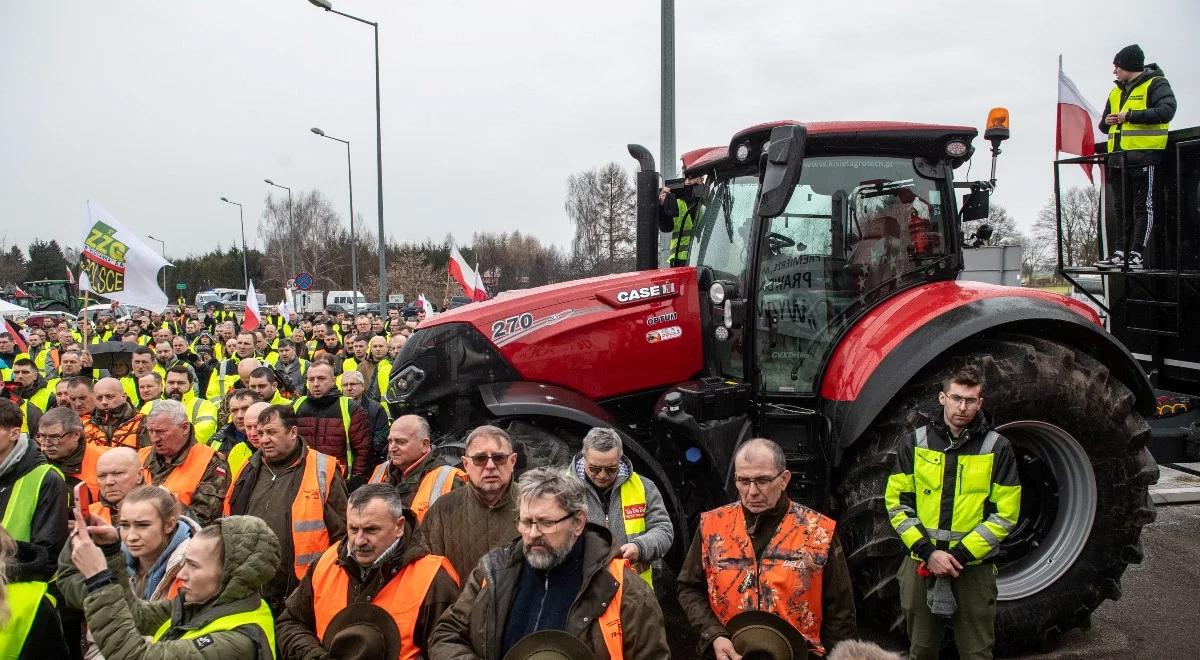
{"points": [[976, 205], [785, 158]]}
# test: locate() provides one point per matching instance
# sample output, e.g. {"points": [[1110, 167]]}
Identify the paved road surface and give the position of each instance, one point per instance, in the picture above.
{"points": [[1157, 617]]}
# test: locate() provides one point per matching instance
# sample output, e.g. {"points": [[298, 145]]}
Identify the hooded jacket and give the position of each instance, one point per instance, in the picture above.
{"points": [[654, 543], [119, 622], [474, 626], [1160, 109], [48, 531], [297, 626]]}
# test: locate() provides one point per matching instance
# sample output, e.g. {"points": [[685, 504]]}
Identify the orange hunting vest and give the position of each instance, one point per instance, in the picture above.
{"points": [[401, 597], [185, 478], [434, 484], [87, 469], [786, 582], [98, 508], [310, 537], [610, 620]]}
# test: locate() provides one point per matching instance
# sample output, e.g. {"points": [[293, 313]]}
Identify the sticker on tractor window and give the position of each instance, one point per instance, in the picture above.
{"points": [[664, 334], [659, 319]]}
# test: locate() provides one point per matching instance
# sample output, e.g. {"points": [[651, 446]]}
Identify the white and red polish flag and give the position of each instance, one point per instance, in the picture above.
{"points": [[252, 316], [466, 276], [1077, 120]]}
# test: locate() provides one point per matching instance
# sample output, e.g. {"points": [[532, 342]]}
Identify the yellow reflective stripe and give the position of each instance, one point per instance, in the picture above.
{"points": [[23, 502], [1149, 131], [633, 493], [261, 617], [23, 598]]}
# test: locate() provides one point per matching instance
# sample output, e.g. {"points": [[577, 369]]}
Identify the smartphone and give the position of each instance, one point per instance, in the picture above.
{"points": [[83, 499]]}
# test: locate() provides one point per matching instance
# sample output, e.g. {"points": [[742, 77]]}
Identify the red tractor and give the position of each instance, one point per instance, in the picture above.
{"points": [[819, 308]]}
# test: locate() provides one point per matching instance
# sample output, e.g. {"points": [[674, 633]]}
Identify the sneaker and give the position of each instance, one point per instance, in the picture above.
{"points": [[1115, 261], [1135, 261]]}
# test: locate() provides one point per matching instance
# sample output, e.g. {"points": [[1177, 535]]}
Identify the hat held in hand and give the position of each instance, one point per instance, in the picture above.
{"points": [[362, 631], [764, 636], [549, 645]]}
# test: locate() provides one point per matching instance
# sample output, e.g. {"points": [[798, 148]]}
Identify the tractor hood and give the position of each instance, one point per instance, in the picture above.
{"points": [[601, 337]]}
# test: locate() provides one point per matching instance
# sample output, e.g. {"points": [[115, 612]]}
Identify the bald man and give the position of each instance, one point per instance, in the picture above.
{"points": [[241, 452], [245, 368], [118, 471], [114, 422], [411, 466]]}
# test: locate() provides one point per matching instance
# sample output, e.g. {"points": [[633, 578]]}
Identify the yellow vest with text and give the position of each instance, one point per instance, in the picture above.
{"points": [[260, 617], [1134, 137], [633, 512]]}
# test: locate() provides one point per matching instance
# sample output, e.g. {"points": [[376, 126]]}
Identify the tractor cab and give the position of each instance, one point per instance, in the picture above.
{"points": [[797, 244]]}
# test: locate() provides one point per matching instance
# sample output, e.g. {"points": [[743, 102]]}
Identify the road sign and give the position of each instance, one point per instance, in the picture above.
{"points": [[181, 286], [304, 281]]}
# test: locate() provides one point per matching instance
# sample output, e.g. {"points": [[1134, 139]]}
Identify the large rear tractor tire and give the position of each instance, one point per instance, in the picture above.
{"points": [[1085, 474]]}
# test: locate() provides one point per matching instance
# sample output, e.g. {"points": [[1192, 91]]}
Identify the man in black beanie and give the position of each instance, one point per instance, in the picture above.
{"points": [[1136, 118]]}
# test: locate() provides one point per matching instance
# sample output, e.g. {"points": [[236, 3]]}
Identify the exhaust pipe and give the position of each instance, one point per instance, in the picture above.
{"points": [[646, 185]]}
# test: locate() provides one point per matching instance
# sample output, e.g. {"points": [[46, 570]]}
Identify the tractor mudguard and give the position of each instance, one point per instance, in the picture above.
{"points": [[870, 366]]}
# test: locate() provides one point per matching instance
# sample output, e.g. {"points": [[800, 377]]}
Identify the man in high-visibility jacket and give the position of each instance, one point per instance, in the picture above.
{"points": [[334, 425], [297, 491], [262, 382], [1136, 117], [786, 551], [195, 473], [60, 437], [560, 575], [202, 413], [380, 562], [682, 211], [114, 421], [625, 502], [33, 510], [417, 474], [32, 386], [953, 495]]}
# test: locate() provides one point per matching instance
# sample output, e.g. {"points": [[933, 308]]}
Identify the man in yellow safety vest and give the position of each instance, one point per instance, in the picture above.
{"points": [[622, 500], [1136, 118]]}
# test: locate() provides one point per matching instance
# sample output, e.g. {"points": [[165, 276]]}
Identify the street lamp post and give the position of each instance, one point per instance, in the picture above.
{"points": [[327, 5], [242, 222], [164, 254], [353, 240], [667, 83], [292, 226]]}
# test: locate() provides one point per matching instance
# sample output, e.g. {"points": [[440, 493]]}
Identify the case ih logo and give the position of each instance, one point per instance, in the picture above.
{"points": [[666, 289]]}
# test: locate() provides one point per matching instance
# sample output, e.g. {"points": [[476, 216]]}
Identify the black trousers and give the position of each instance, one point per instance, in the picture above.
{"points": [[1141, 188]]}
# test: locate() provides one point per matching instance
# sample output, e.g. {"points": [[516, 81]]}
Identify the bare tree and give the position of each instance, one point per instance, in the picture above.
{"points": [[601, 204], [1080, 225], [312, 234]]}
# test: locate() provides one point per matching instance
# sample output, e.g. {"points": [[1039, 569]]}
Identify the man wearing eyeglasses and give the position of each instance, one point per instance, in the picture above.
{"points": [[766, 553], [953, 496], [60, 437], [467, 522], [625, 502], [562, 574]]}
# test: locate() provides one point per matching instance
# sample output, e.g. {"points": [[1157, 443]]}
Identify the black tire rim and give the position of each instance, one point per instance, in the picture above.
{"points": [[1058, 505]]}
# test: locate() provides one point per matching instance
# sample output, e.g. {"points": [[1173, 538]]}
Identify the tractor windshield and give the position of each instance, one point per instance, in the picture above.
{"points": [[856, 229]]}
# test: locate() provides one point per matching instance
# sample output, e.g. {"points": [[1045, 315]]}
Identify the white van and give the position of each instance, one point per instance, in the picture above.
{"points": [[344, 301]]}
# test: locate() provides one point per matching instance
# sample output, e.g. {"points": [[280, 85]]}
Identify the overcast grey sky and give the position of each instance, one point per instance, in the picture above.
{"points": [[156, 108]]}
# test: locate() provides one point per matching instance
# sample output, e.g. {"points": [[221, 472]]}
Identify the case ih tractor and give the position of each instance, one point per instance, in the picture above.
{"points": [[819, 308]]}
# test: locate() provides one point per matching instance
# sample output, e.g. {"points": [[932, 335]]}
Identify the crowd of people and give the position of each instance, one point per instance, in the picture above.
{"points": [[247, 494]]}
